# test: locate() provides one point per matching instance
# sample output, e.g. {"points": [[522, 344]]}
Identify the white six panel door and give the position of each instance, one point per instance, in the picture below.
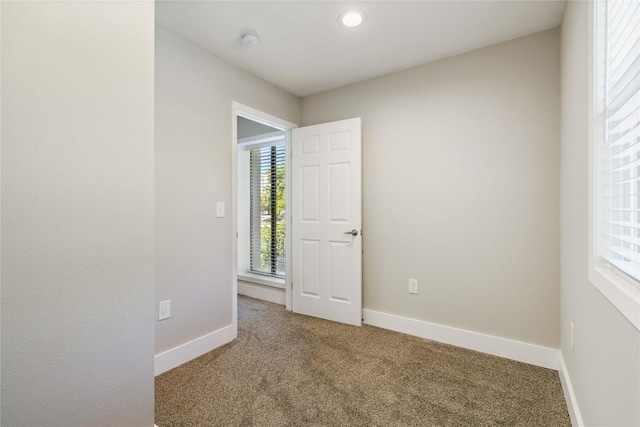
{"points": [[326, 192]]}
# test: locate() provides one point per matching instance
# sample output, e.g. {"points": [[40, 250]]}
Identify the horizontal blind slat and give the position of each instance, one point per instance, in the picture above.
{"points": [[635, 178], [627, 148], [628, 224], [627, 117], [625, 166], [624, 61], [623, 33], [623, 84], [626, 238], [623, 252]]}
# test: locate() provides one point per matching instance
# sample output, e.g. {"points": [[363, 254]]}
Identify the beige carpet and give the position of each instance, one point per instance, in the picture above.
{"points": [[290, 370]]}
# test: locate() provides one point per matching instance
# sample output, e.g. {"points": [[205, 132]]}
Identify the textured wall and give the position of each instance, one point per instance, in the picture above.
{"points": [[77, 213], [461, 170]]}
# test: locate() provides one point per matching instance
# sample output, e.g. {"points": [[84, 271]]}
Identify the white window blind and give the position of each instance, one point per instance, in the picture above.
{"points": [[267, 209], [618, 134]]}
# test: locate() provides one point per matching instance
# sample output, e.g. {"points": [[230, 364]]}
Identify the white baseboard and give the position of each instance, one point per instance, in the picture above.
{"points": [[510, 349], [569, 394], [266, 293], [190, 350]]}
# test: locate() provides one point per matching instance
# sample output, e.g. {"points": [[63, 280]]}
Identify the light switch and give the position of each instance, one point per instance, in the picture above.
{"points": [[220, 210]]}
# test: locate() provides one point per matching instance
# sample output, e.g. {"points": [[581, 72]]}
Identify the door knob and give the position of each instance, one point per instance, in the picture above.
{"points": [[353, 232]]}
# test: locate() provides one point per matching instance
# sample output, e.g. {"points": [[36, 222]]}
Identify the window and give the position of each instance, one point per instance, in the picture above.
{"points": [[267, 210], [618, 134], [616, 145]]}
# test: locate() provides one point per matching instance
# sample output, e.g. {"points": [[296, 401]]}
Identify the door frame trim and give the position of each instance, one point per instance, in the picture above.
{"points": [[241, 110]]}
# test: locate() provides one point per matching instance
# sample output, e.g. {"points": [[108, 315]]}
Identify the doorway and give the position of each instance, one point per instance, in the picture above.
{"points": [[303, 251], [261, 223]]}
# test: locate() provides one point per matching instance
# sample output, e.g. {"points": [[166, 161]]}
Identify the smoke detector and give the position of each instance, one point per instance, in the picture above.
{"points": [[249, 40]]}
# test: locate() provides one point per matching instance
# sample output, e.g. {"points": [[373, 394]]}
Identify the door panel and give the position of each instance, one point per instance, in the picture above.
{"points": [[310, 266], [339, 193], [326, 175], [339, 271], [310, 193]]}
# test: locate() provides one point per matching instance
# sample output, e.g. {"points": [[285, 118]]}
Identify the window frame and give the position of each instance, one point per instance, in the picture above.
{"points": [[617, 287]]}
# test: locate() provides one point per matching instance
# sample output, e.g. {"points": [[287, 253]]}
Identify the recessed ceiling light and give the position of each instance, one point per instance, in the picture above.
{"points": [[352, 18]]}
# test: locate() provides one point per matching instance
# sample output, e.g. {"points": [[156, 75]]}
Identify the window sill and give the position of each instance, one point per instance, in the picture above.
{"points": [[262, 280], [624, 296]]}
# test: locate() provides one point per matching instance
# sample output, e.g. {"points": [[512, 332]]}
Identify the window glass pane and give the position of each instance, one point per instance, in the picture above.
{"points": [[267, 230]]}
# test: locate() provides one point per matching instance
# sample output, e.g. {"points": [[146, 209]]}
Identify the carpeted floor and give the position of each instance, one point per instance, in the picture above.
{"points": [[291, 370]]}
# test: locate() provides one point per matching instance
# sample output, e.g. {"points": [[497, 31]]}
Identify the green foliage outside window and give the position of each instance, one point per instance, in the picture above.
{"points": [[265, 229], [267, 177]]}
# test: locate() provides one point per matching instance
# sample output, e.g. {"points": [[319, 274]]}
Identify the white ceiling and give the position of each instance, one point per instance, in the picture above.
{"points": [[304, 50]]}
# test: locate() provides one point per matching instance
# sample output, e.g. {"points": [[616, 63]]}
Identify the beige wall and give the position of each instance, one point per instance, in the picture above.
{"points": [[77, 213], [194, 91], [604, 367], [461, 166]]}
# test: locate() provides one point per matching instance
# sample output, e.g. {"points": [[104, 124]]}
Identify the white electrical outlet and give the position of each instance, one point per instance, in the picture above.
{"points": [[571, 327], [413, 286], [165, 310]]}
